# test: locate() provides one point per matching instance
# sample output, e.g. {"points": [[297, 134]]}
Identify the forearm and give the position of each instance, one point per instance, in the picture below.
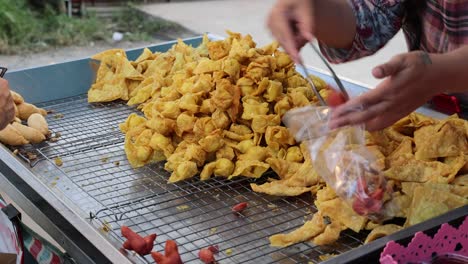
{"points": [[452, 67], [335, 23]]}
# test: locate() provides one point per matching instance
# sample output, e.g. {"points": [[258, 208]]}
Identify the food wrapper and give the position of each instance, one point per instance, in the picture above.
{"points": [[341, 158]]}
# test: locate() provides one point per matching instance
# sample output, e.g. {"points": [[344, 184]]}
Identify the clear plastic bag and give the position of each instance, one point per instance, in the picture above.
{"points": [[341, 158]]}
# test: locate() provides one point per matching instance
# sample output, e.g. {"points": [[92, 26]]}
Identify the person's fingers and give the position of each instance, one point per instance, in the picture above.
{"points": [[359, 117], [365, 100], [305, 17], [6, 104], [10, 108], [300, 41], [380, 122], [390, 68], [4, 84], [387, 119], [280, 25]]}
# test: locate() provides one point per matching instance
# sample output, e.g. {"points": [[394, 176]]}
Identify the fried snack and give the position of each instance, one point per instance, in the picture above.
{"points": [[381, 231], [17, 98], [279, 188], [38, 122], [29, 133], [216, 110], [11, 136], [309, 230], [448, 138], [329, 235], [17, 134], [211, 110], [340, 212], [429, 202], [25, 110]]}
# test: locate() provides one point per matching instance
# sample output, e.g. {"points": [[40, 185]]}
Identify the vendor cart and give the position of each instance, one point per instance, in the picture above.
{"points": [[83, 203]]}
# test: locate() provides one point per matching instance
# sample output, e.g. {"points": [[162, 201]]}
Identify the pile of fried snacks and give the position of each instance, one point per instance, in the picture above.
{"points": [[216, 110]]}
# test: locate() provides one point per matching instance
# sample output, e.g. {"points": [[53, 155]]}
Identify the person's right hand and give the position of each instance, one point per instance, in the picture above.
{"points": [[7, 106], [292, 23]]}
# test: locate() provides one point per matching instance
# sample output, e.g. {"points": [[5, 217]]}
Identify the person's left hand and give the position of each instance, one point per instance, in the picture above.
{"points": [[7, 106], [410, 81]]}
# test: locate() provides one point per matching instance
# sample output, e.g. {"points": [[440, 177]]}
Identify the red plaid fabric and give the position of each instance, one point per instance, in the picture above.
{"points": [[444, 27]]}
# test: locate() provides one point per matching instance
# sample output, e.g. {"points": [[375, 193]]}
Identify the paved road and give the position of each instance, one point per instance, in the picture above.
{"points": [[248, 16]]}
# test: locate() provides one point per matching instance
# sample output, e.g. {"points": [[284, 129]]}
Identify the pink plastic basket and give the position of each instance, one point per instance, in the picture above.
{"points": [[424, 249]]}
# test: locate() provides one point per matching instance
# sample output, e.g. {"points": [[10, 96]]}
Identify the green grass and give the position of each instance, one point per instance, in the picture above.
{"points": [[138, 26], [23, 30]]}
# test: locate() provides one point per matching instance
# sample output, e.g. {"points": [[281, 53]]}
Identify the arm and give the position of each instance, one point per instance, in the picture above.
{"points": [[452, 69], [410, 80], [294, 22], [375, 23], [335, 23]]}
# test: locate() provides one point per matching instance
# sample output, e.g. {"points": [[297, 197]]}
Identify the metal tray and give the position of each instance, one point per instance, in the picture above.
{"points": [[96, 191]]}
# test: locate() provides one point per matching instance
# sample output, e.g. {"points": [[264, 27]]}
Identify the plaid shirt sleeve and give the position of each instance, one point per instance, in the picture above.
{"points": [[377, 21]]}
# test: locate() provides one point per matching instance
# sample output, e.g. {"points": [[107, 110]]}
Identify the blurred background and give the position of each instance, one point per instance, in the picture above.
{"points": [[41, 32]]}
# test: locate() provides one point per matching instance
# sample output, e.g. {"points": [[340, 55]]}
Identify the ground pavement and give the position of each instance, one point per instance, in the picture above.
{"points": [[249, 16]]}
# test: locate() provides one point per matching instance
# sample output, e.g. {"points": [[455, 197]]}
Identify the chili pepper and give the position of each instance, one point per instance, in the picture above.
{"points": [[239, 207], [137, 243], [134, 241], [377, 194], [335, 98], [149, 240], [206, 255], [214, 249], [171, 254], [367, 205]]}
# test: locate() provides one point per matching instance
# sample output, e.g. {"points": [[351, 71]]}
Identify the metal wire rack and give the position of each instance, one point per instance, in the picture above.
{"points": [[97, 177]]}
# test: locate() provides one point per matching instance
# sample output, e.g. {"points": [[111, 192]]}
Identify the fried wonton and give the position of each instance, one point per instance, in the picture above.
{"points": [[430, 202], [445, 139], [306, 232], [382, 231]]}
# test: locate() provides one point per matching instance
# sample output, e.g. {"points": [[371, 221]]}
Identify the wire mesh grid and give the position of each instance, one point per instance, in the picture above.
{"points": [[96, 176]]}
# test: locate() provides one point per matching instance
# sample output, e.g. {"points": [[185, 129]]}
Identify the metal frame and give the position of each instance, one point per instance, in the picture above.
{"points": [[54, 214]]}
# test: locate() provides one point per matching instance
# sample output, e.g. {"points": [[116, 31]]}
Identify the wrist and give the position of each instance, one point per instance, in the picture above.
{"points": [[437, 74], [449, 71]]}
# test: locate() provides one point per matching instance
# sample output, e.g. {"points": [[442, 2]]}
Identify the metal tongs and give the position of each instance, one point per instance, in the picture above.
{"points": [[335, 77], [3, 70]]}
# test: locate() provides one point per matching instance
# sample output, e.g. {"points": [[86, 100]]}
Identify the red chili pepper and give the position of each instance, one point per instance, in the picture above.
{"points": [[335, 98], [358, 207], [206, 255], [171, 254], [149, 240], [366, 206], [214, 249], [239, 207], [137, 243], [377, 194]]}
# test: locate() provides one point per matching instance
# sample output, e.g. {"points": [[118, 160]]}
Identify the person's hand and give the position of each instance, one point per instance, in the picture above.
{"points": [[7, 106], [410, 81], [291, 23]]}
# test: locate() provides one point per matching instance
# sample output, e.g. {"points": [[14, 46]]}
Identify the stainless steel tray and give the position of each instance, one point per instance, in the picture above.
{"points": [[97, 191]]}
